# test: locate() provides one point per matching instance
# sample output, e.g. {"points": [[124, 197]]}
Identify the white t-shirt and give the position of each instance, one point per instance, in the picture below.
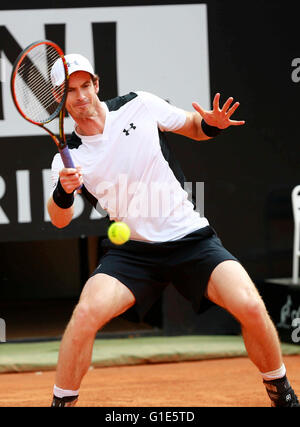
{"points": [[126, 171]]}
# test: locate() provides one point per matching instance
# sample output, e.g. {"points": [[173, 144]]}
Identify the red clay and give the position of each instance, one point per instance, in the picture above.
{"points": [[217, 383]]}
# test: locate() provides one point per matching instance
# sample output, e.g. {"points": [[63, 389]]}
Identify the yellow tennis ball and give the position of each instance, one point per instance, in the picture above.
{"points": [[118, 233]]}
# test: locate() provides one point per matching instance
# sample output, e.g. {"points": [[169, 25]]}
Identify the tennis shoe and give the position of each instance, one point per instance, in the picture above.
{"points": [[60, 402], [281, 393]]}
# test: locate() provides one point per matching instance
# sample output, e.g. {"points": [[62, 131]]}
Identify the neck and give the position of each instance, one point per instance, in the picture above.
{"points": [[94, 124]]}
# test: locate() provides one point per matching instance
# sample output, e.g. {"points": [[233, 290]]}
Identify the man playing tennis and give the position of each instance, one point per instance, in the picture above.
{"points": [[124, 138]]}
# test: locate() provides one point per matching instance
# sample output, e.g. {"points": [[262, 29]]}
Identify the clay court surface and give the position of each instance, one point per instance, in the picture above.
{"points": [[224, 382]]}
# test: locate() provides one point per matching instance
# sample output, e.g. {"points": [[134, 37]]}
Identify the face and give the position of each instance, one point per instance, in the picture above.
{"points": [[82, 95]]}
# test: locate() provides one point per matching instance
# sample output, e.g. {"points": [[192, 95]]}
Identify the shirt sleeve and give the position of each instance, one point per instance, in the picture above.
{"points": [[168, 117]]}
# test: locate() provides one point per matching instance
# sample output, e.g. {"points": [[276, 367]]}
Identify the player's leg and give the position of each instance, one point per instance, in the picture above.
{"points": [[231, 288], [103, 298]]}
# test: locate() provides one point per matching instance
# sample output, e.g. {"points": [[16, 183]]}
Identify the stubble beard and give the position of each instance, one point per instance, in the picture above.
{"points": [[87, 113]]}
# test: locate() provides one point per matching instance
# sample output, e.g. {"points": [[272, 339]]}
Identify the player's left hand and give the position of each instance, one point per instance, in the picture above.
{"points": [[220, 117]]}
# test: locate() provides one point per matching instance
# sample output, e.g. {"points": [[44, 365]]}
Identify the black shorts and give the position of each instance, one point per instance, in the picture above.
{"points": [[147, 268]]}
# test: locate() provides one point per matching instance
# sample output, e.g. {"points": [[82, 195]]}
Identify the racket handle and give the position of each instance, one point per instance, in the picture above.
{"points": [[67, 159]]}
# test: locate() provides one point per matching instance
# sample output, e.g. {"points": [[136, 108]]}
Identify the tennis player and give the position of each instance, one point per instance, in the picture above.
{"points": [[119, 149]]}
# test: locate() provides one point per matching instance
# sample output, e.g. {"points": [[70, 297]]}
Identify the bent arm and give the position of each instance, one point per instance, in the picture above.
{"points": [[61, 203], [60, 217]]}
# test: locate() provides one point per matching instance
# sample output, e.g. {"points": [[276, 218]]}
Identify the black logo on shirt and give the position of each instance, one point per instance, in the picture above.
{"points": [[126, 131]]}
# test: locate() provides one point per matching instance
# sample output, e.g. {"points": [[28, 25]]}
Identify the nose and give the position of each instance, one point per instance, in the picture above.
{"points": [[79, 94]]}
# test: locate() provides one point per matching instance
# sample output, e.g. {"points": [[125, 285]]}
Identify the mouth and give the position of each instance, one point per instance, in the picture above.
{"points": [[82, 105]]}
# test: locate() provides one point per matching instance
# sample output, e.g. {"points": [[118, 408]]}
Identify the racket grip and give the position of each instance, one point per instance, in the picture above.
{"points": [[67, 159]]}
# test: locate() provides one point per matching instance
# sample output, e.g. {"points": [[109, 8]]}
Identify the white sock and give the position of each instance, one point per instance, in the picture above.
{"points": [[273, 375], [60, 392]]}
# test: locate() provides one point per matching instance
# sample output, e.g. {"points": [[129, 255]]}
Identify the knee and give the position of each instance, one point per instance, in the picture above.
{"points": [[251, 310], [102, 299], [87, 318]]}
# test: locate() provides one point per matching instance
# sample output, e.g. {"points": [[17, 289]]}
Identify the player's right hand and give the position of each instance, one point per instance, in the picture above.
{"points": [[71, 178]]}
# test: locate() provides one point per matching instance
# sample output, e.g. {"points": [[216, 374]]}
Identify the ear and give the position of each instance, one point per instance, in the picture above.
{"points": [[96, 85]]}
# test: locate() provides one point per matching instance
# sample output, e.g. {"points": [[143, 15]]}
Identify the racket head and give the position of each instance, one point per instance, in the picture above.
{"points": [[39, 82]]}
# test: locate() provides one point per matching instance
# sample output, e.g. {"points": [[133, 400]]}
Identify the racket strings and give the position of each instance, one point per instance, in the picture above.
{"points": [[34, 91]]}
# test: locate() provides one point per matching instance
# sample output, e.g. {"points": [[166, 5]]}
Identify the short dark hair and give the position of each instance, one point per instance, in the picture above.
{"points": [[95, 78]]}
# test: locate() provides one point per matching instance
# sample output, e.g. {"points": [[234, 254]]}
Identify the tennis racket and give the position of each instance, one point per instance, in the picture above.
{"points": [[39, 86]]}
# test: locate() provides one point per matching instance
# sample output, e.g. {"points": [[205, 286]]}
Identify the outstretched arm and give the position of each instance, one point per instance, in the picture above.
{"points": [[219, 118]]}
